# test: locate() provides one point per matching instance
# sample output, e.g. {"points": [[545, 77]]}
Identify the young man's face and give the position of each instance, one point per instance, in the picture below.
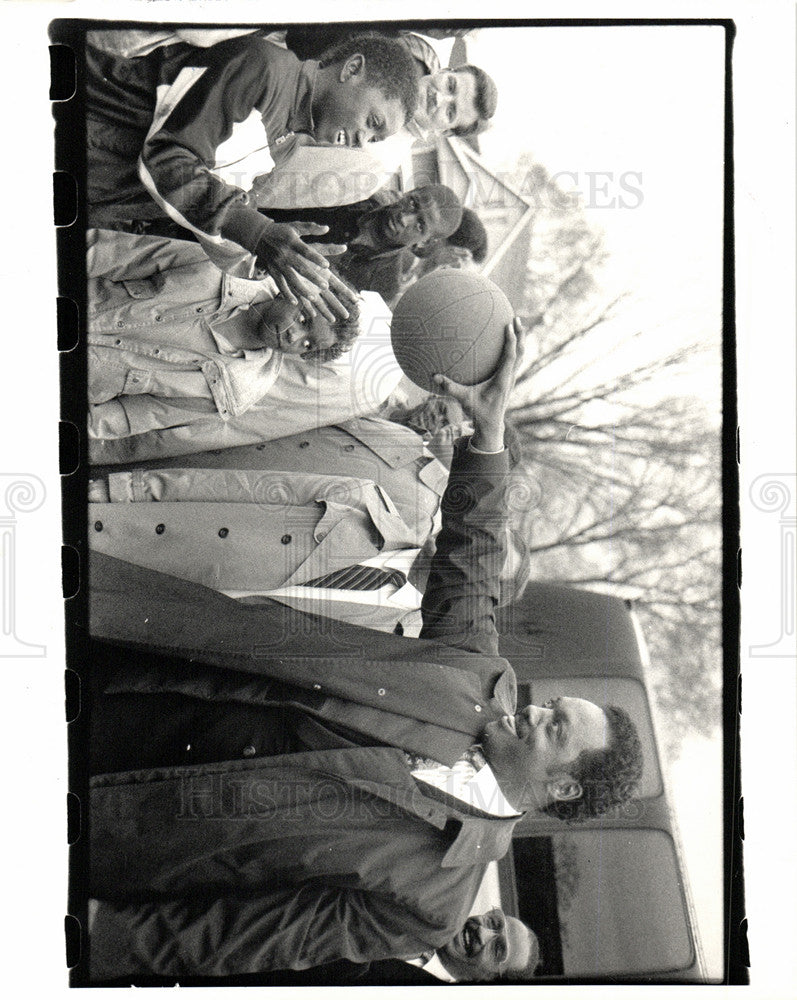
{"points": [[536, 747], [352, 111], [412, 221], [489, 945], [285, 327], [447, 100]]}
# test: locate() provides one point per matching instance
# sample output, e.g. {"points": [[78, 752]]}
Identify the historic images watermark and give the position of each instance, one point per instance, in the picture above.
{"points": [[19, 493], [777, 494]]}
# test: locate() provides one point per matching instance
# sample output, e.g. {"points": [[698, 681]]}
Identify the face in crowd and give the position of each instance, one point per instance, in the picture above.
{"points": [[355, 111], [418, 217], [447, 101], [285, 327], [490, 945], [533, 753]]}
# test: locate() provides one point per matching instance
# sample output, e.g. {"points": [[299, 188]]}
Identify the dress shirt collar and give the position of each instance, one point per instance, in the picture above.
{"points": [[435, 968]]}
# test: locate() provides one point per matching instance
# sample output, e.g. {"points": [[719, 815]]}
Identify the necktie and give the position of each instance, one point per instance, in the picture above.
{"points": [[358, 577]]}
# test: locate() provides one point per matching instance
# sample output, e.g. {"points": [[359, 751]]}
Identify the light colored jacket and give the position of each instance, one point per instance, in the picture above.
{"points": [[301, 398], [157, 353]]}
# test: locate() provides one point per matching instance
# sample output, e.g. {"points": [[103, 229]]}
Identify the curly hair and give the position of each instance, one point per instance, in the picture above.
{"points": [[485, 100], [470, 235], [347, 331], [388, 66], [608, 777]]}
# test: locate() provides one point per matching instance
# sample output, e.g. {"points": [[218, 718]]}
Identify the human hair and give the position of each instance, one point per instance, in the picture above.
{"points": [[388, 66], [485, 100], [447, 202], [470, 235], [607, 777], [346, 331]]}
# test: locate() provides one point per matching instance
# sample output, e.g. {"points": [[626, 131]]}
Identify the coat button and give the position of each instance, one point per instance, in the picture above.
{"points": [[159, 529], [120, 324], [304, 444], [381, 692], [478, 708], [158, 319], [200, 309], [223, 532], [117, 342], [348, 447], [286, 539], [249, 751], [316, 687], [98, 525]]}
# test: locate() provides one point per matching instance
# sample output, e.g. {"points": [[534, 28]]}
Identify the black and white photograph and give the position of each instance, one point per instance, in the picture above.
{"points": [[398, 374], [404, 496]]}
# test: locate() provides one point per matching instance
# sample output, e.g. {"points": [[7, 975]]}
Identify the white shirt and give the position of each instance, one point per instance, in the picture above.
{"points": [[480, 790]]}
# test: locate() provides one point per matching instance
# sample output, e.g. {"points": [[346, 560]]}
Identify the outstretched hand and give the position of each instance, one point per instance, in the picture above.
{"points": [[487, 401], [300, 269]]}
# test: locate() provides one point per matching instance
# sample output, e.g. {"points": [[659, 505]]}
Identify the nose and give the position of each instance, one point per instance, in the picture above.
{"points": [[291, 333], [496, 928], [534, 714]]}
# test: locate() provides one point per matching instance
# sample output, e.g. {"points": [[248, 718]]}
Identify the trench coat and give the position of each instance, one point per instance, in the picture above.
{"points": [[373, 864]]}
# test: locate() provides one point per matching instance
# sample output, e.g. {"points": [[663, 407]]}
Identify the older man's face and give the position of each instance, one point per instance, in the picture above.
{"points": [[447, 100], [489, 945], [539, 745]]}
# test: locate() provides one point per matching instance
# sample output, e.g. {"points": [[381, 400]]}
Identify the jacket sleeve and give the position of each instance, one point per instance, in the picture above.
{"points": [[193, 116], [282, 929], [463, 587]]}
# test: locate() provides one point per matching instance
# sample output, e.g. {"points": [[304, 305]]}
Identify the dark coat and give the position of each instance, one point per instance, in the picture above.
{"points": [[373, 867]]}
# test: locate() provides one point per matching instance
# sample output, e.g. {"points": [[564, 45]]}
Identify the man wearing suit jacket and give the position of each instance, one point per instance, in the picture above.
{"points": [[125, 939], [321, 795]]}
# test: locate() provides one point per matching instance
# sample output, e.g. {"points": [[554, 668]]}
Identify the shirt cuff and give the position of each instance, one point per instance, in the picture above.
{"points": [[480, 451], [244, 226]]}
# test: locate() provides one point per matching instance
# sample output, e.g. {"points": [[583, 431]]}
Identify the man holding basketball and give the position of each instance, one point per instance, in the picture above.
{"points": [[338, 792]]}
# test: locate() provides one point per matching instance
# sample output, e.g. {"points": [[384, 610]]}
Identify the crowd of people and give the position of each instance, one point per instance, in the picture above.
{"points": [[305, 748]]}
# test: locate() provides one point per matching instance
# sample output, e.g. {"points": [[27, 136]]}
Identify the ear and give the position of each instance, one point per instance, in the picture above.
{"points": [[425, 248], [564, 789], [353, 67]]}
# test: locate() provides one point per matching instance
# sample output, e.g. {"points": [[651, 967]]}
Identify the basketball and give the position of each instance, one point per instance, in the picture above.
{"points": [[451, 322]]}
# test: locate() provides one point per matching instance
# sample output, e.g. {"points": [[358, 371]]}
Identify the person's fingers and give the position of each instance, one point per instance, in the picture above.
{"points": [[324, 309], [309, 228], [308, 252], [342, 290], [449, 387], [318, 277], [307, 306], [281, 283], [331, 249], [337, 309]]}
